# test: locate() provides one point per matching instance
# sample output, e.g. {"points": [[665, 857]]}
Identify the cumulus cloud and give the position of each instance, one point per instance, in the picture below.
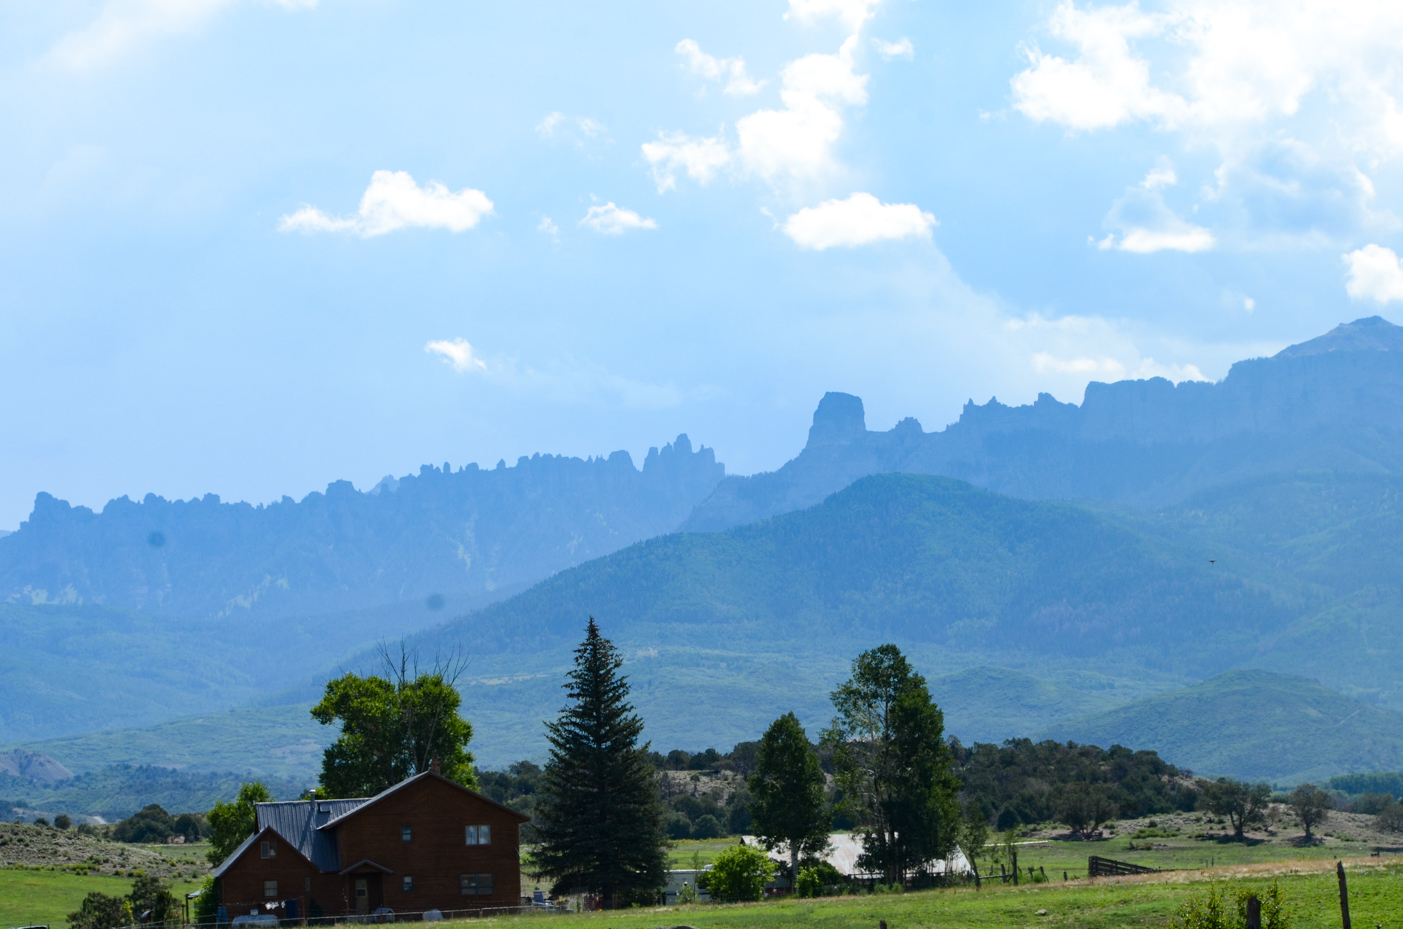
{"points": [[394, 201], [859, 220], [1374, 274], [851, 13], [701, 158], [1113, 369], [795, 142], [609, 219], [122, 26], [548, 226], [578, 130], [901, 48], [1146, 224], [732, 70], [457, 353]]}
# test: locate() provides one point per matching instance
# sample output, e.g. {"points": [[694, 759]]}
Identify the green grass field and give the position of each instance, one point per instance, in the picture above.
{"points": [[1376, 899], [31, 897]]}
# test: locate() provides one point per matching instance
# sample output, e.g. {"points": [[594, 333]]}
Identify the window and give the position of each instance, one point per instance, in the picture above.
{"points": [[479, 835], [267, 849], [406, 834], [408, 883], [270, 888], [307, 884], [475, 885]]}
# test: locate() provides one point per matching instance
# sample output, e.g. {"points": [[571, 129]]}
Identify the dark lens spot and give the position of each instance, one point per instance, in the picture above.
{"points": [[156, 539], [435, 602]]}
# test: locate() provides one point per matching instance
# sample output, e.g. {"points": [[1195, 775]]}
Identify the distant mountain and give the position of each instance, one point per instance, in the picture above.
{"points": [[470, 533], [1333, 403], [1252, 724]]}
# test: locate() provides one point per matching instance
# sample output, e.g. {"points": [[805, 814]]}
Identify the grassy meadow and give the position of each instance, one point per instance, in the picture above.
{"points": [[1309, 888], [32, 896]]}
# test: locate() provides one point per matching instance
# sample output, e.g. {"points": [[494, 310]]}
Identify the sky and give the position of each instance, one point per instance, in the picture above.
{"points": [[249, 247]]}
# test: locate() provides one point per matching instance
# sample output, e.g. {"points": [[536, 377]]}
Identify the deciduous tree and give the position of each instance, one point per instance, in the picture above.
{"points": [[601, 817], [231, 823], [739, 873], [894, 765], [788, 805], [394, 727], [1311, 805], [1243, 804]]}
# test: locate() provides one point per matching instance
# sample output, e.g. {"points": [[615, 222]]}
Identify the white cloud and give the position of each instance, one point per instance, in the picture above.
{"points": [[579, 130], [795, 142], [901, 48], [548, 226], [859, 220], [614, 220], [125, 25], [851, 13], [1374, 274], [457, 353], [798, 140], [1113, 369], [393, 201], [738, 82], [1146, 224], [701, 158]]}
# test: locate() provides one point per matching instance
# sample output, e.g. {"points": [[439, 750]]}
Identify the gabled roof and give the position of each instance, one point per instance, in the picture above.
{"points": [[363, 804], [243, 847], [298, 821]]}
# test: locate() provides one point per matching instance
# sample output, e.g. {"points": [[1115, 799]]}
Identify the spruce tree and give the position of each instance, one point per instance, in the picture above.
{"points": [[600, 814], [789, 806]]}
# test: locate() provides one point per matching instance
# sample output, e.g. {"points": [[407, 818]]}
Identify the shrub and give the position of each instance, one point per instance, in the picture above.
{"points": [[1391, 817], [708, 827], [99, 911], [679, 826], [808, 884], [739, 873], [1215, 911], [63, 821]]}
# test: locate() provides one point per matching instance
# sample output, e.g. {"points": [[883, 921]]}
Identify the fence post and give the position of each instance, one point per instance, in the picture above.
{"points": [[1254, 913], [1344, 894]]}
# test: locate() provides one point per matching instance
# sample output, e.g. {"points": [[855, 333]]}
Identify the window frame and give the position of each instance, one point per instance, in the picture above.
{"points": [[482, 884], [270, 889], [267, 849], [474, 835], [406, 833], [407, 884]]}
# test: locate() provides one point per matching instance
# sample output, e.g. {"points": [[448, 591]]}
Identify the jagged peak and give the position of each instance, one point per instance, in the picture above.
{"points": [[838, 420], [1370, 334]]}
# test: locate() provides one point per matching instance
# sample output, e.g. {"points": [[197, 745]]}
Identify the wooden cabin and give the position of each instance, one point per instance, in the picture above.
{"points": [[424, 844]]}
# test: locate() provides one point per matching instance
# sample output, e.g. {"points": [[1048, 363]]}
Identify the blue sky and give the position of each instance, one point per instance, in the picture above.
{"points": [[253, 246]]}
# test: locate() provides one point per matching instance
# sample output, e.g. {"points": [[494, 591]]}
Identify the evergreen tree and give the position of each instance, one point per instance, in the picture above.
{"points": [[601, 817], [788, 806], [894, 765]]}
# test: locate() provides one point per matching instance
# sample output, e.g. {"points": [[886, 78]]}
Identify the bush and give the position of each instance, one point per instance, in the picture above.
{"points": [[739, 873], [708, 827], [1391, 817], [99, 911], [808, 884], [63, 821], [679, 826], [1215, 911]]}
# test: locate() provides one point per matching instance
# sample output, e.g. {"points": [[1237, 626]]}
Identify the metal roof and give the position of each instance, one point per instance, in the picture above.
{"points": [[299, 821], [334, 820]]}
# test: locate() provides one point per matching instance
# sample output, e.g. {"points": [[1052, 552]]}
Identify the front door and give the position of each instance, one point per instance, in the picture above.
{"points": [[362, 896]]}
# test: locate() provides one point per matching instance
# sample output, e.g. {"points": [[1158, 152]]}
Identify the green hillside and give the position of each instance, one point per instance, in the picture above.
{"points": [[283, 742], [1252, 724], [919, 560]]}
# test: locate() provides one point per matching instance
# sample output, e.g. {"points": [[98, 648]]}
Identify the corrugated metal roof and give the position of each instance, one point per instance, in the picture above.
{"points": [[410, 780], [298, 822]]}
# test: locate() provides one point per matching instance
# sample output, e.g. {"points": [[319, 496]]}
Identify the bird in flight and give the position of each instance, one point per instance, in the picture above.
{"points": [[1213, 561]]}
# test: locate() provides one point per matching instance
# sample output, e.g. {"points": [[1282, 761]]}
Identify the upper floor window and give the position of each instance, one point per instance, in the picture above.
{"points": [[406, 834], [268, 849], [479, 835], [408, 883], [270, 888]]}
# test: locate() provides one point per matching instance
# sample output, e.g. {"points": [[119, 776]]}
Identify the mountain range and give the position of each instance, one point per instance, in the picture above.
{"points": [[1042, 564]]}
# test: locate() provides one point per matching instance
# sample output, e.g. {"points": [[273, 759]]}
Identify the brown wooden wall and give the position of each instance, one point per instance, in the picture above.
{"points": [[438, 813], [241, 886]]}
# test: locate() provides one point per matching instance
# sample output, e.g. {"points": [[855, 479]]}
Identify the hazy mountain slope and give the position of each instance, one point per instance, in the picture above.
{"points": [[910, 558], [467, 532], [1333, 403], [1252, 724]]}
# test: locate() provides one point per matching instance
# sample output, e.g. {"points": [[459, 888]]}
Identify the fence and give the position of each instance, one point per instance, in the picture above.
{"points": [[1096, 866]]}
